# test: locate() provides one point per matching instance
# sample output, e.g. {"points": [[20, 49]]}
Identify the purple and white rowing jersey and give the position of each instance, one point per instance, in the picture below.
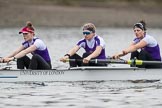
{"points": [[41, 48], [152, 46], [90, 46]]}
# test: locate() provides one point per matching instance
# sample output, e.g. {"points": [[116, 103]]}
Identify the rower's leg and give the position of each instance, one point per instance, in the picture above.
{"points": [[146, 56], [134, 54], [143, 55], [37, 62], [92, 64], [23, 62], [76, 63]]}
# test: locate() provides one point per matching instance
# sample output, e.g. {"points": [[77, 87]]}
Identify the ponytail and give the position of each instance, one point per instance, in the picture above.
{"points": [[29, 25]]}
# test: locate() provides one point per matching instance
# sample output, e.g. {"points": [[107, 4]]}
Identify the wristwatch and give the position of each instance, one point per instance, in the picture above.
{"points": [[14, 58], [67, 55]]}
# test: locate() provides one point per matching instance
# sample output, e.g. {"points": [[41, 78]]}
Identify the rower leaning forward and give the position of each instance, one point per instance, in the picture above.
{"points": [[31, 44], [143, 47], [93, 45]]}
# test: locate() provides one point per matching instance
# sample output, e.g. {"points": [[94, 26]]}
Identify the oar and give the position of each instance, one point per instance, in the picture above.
{"points": [[5, 66], [119, 61]]}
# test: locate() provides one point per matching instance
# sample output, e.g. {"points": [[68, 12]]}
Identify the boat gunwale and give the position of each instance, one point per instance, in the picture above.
{"points": [[86, 68]]}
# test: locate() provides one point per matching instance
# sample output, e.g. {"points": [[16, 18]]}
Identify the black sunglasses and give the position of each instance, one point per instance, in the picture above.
{"points": [[86, 32]]}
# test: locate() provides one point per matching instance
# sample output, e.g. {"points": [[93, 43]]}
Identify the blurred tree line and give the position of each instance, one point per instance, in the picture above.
{"points": [[106, 3], [87, 3]]}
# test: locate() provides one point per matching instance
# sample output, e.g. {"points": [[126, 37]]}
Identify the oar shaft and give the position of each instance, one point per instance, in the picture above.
{"points": [[100, 61], [140, 62], [119, 61], [108, 61]]}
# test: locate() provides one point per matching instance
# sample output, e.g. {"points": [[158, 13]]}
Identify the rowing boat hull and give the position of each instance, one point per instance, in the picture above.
{"points": [[81, 74]]}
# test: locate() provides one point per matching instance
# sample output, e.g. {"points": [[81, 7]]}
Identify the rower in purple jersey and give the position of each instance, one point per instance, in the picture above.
{"points": [[149, 47], [33, 45], [93, 45]]}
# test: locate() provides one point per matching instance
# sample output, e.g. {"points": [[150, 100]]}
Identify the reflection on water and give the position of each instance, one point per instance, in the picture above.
{"points": [[100, 94]]}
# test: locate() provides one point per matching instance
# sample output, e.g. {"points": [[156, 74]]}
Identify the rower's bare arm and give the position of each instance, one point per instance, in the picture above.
{"points": [[26, 51], [73, 50], [135, 47], [70, 53], [12, 55], [15, 52], [96, 52], [123, 53]]}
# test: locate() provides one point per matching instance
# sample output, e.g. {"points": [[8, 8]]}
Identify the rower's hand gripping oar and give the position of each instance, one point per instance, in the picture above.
{"points": [[5, 65]]}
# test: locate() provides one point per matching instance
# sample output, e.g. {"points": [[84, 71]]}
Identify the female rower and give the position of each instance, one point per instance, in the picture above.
{"points": [[40, 56], [94, 47], [149, 48]]}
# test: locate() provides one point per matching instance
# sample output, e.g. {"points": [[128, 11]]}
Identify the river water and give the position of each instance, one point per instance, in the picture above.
{"points": [[96, 94]]}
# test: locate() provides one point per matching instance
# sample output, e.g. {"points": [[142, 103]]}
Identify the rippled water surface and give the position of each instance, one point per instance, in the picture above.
{"points": [[97, 94], [113, 94]]}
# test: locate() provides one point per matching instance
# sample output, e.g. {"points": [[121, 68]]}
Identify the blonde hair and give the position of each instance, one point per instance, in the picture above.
{"points": [[90, 27]]}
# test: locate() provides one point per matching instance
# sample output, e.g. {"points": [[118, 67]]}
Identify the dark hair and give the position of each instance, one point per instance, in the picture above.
{"points": [[29, 25], [141, 24]]}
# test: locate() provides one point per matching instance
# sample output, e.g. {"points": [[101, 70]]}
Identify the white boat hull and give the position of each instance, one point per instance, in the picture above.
{"points": [[81, 74]]}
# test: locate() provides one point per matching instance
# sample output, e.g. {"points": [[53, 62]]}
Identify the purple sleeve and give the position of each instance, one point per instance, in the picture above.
{"points": [[136, 40], [81, 43]]}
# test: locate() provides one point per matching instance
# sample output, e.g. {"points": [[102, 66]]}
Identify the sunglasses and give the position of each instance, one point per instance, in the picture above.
{"points": [[86, 32]]}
